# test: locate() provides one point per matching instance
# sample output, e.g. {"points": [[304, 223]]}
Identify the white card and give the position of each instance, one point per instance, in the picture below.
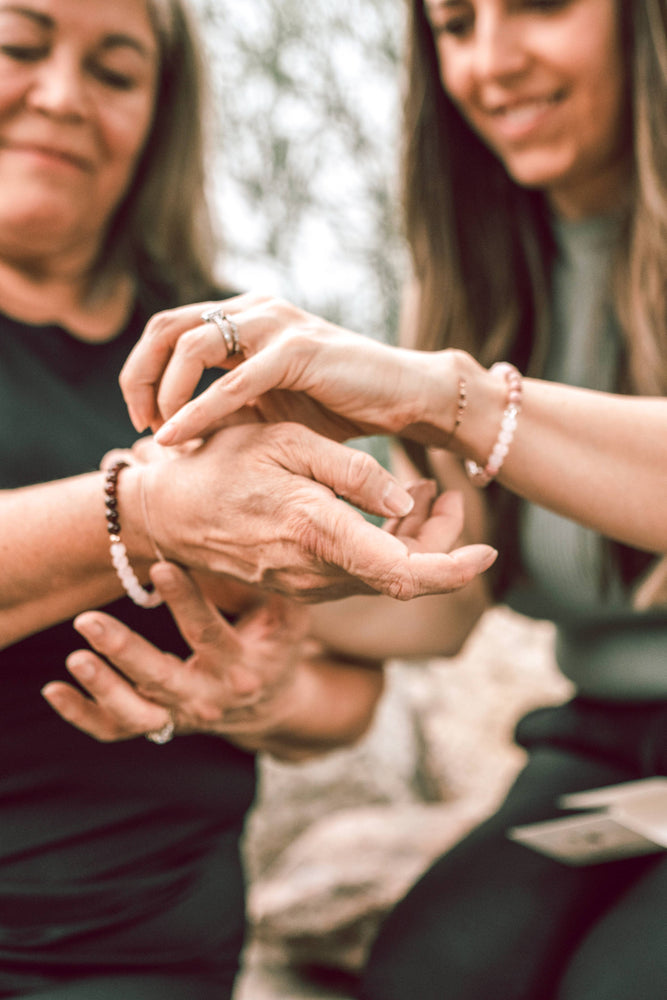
{"points": [[583, 840], [630, 820], [614, 794]]}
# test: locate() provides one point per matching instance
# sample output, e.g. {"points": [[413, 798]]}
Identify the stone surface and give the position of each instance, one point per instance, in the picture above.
{"points": [[333, 843]]}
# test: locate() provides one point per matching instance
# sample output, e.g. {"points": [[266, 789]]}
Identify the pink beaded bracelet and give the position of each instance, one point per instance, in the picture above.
{"points": [[482, 475], [144, 598]]}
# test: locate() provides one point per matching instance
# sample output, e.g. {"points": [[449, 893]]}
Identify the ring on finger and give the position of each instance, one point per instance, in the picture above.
{"points": [[165, 734], [227, 327]]}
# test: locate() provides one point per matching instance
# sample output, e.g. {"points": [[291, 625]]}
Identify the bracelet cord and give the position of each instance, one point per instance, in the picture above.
{"points": [[131, 585]]}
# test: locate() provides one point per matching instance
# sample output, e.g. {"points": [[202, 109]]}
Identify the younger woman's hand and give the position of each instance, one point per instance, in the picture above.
{"points": [[291, 365]]}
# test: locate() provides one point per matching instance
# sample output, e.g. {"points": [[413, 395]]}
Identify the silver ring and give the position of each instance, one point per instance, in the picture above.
{"points": [[164, 735], [227, 327]]}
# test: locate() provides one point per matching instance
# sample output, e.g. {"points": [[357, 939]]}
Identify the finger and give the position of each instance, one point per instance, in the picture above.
{"points": [[350, 473], [195, 351], [423, 493], [431, 573], [142, 372], [238, 388], [117, 711], [383, 562], [439, 532], [139, 660], [205, 630]]}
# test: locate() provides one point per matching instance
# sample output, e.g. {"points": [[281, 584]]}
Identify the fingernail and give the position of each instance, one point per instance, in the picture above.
{"points": [[488, 560], [138, 424], [83, 670], [167, 433], [397, 501], [91, 628]]}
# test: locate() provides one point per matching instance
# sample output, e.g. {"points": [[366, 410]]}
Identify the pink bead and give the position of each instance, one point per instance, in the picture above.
{"points": [[482, 476]]}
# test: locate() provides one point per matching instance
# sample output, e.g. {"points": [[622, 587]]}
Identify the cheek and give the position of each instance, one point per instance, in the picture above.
{"points": [[11, 91], [455, 76], [126, 134]]}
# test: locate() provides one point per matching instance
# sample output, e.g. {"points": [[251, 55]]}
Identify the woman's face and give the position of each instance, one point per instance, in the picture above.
{"points": [[543, 83], [78, 81]]}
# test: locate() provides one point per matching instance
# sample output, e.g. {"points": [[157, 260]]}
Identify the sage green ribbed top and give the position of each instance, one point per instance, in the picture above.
{"points": [[607, 649]]}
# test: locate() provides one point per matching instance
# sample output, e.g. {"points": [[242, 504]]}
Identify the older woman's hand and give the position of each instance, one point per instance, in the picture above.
{"points": [[260, 502], [290, 365], [233, 681], [257, 683]]}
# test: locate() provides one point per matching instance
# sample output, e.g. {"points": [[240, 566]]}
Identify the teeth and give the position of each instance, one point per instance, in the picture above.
{"points": [[525, 112]]}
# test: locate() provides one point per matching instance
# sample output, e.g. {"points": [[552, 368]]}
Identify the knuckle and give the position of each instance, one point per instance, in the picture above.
{"points": [[400, 587], [158, 327], [158, 682], [205, 633], [116, 644], [192, 342], [359, 469]]}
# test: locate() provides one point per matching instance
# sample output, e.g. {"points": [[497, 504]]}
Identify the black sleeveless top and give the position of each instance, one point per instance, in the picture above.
{"points": [[112, 857]]}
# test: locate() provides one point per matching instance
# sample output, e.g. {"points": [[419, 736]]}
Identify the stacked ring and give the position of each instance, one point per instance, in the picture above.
{"points": [[227, 327], [165, 734]]}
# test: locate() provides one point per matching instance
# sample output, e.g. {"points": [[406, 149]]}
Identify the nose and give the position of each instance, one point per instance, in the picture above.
{"points": [[59, 89], [498, 50]]}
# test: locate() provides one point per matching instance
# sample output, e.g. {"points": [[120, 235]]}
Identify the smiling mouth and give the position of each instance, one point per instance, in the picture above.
{"points": [[59, 155], [524, 113]]}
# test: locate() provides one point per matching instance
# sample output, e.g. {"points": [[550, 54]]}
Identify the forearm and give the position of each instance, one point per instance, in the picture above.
{"points": [[330, 704], [380, 628], [597, 458], [54, 551]]}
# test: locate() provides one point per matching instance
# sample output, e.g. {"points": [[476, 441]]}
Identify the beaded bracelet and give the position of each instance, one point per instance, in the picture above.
{"points": [[461, 402], [144, 598], [482, 475]]}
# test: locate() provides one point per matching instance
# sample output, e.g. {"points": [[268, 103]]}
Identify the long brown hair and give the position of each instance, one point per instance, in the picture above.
{"points": [[163, 230], [480, 243]]}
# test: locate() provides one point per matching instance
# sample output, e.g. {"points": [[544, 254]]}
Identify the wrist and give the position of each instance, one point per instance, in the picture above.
{"points": [[463, 405], [135, 536], [495, 406], [451, 389]]}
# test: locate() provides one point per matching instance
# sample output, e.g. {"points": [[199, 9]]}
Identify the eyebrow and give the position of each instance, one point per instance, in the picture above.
{"points": [[113, 41], [128, 41], [34, 15]]}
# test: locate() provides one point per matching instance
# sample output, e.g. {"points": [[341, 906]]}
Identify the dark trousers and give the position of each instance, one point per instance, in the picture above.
{"points": [[137, 987], [494, 920]]}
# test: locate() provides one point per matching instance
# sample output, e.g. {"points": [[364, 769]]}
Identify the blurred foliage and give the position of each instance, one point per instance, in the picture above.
{"points": [[307, 96]]}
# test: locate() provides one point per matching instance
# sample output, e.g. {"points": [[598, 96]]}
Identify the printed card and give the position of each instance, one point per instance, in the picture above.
{"points": [[619, 821]]}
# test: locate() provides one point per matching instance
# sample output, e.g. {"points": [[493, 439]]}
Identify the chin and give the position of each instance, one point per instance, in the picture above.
{"points": [[42, 223], [537, 172]]}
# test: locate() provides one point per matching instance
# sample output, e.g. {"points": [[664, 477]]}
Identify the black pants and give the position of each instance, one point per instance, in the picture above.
{"points": [[138, 987], [493, 920]]}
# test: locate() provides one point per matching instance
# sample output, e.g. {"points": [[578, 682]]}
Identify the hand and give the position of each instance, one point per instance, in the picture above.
{"points": [[259, 502], [236, 682], [292, 366]]}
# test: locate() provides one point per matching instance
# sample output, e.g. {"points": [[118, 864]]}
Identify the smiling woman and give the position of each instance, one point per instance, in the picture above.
{"points": [[552, 107], [77, 92]]}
